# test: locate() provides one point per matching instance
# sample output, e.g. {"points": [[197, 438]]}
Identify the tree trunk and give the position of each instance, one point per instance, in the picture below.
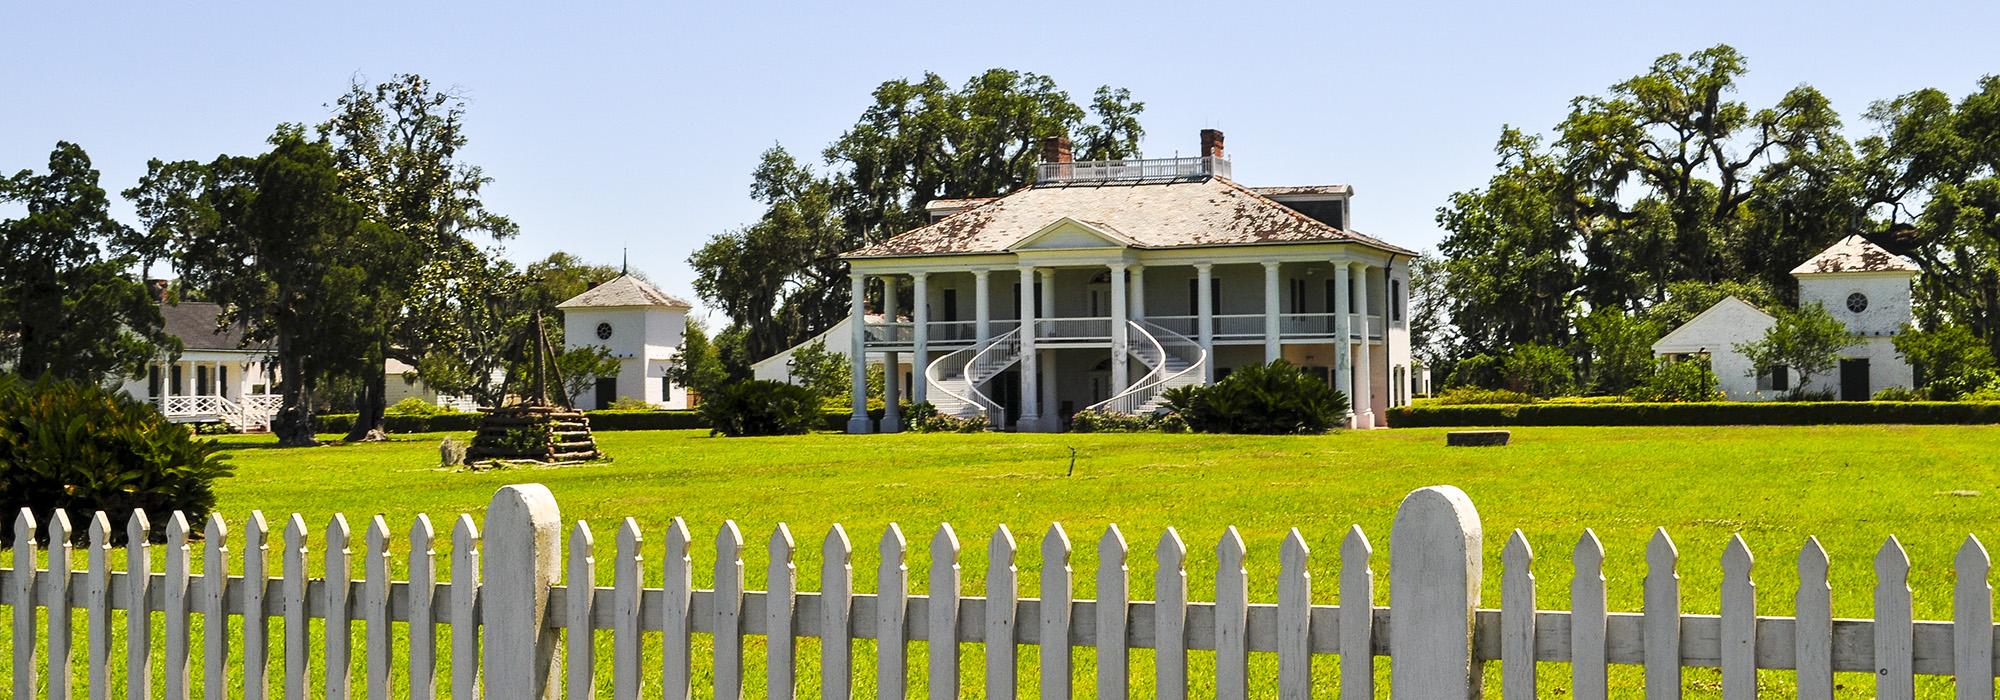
{"points": [[294, 424], [368, 420]]}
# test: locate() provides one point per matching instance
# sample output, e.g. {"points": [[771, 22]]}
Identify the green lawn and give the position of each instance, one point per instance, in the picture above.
{"points": [[1850, 486]]}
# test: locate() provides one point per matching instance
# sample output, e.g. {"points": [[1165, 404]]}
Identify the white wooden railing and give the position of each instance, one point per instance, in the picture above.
{"points": [[509, 587], [248, 412]]}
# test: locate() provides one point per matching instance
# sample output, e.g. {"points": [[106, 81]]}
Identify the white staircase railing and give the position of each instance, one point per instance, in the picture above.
{"points": [[1176, 361], [956, 376], [254, 413]]}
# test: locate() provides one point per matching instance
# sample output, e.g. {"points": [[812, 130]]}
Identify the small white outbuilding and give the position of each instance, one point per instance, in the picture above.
{"points": [[1863, 285], [642, 327]]}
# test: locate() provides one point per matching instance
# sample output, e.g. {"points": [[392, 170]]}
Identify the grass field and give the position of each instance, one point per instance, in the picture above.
{"points": [[1850, 486]]}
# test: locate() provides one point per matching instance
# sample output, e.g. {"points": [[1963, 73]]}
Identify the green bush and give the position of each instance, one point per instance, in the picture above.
{"points": [[1273, 399], [1540, 371], [925, 418], [1714, 413], [627, 403], [761, 407], [414, 406], [1095, 421], [83, 448], [1589, 399], [1479, 371], [1686, 381], [1898, 393], [605, 420], [1472, 395]]}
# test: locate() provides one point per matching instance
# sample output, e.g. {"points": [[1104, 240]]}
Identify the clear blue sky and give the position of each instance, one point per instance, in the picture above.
{"points": [[611, 125]]}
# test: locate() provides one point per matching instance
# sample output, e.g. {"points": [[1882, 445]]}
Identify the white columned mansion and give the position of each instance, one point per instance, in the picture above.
{"points": [[1106, 283]]}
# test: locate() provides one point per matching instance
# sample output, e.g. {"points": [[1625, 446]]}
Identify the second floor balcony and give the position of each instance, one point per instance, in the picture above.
{"points": [[1091, 330]]}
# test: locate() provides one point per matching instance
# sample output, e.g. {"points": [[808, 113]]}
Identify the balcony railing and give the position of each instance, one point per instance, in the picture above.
{"points": [[1133, 170], [1098, 328], [1233, 327]]}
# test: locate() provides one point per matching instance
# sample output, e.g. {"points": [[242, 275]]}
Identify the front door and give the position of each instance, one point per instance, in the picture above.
{"points": [[1854, 380], [607, 392]]}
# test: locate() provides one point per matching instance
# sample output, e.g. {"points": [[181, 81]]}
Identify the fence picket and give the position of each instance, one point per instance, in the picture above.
{"points": [[1813, 633], [1972, 622], [21, 597], [943, 623], [423, 610], [176, 612], [676, 616], [1588, 620], [1113, 616], [256, 611], [892, 608], [1232, 618], [375, 607], [836, 632], [1357, 617], [1055, 612], [97, 602], [628, 582], [581, 661], [1739, 622], [138, 615], [1517, 619], [781, 644], [1294, 618], [339, 625], [1662, 625], [294, 594], [464, 609], [214, 617], [1894, 636], [1170, 623], [57, 598], [728, 597], [1002, 607]]}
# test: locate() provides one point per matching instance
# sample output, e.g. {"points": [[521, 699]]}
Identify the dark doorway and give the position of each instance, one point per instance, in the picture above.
{"points": [[1854, 380], [607, 392], [1005, 388]]}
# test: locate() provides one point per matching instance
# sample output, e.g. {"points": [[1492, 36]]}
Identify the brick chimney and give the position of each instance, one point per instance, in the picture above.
{"points": [[1055, 149], [1211, 143], [159, 289]]}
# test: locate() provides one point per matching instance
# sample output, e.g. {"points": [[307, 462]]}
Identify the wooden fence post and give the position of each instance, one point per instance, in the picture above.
{"points": [[522, 561], [1434, 581]]}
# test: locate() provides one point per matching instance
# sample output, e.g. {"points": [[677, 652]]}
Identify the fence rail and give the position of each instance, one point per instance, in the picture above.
{"points": [[506, 585]]}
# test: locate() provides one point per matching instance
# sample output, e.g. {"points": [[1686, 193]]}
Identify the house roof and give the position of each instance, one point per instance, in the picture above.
{"points": [[1679, 339], [626, 290], [1177, 214], [1855, 254], [1303, 190], [194, 323]]}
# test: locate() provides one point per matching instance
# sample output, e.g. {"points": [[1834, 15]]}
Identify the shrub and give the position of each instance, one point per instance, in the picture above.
{"points": [[760, 407], [1898, 393], [1468, 395], [1620, 347], [1480, 371], [1538, 370], [1679, 382], [1951, 360], [414, 406], [925, 418], [84, 448], [1716, 413], [1807, 340], [1095, 421], [627, 403], [1273, 399], [1590, 399]]}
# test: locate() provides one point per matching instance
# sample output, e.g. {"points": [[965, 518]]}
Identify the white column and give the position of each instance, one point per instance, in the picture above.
{"points": [[1138, 293], [1031, 406], [1050, 422], [921, 316], [1204, 300], [857, 353], [1273, 299], [1364, 384], [1343, 343], [892, 363], [982, 307], [1121, 339], [1048, 278]]}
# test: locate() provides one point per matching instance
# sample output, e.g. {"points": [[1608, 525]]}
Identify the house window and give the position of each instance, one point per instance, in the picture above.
{"points": [[1298, 296], [1194, 294], [153, 380], [1775, 378], [222, 381], [666, 388], [201, 385], [950, 305], [1396, 300]]}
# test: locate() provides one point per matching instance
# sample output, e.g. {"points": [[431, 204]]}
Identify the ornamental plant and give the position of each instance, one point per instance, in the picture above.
{"points": [[1273, 399], [760, 407]]}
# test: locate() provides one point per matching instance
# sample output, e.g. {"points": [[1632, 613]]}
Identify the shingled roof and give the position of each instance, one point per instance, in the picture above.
{"points": [[1179, 214], [626, 290], [194, 323], [1855, 254]]}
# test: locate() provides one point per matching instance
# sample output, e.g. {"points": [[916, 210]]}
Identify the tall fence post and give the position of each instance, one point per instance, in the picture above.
{"points": [[1434, 580], [522, 560]]}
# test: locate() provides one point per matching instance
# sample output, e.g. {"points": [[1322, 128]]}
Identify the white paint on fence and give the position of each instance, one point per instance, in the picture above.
{"points": [[529, 625]]}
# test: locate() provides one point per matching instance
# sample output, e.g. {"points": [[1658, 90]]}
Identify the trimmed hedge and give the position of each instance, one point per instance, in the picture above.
{"points": [[599, 420], [1719, 413]]}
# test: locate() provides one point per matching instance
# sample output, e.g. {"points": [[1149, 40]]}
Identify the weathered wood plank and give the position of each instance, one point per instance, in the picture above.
{"points": [[1517, 619], [727, 600], [836, 647], [56, 596], [943, 615], [1895, 678], [676, 615], [1294, 618], [1739, 622], [628, 582], [780, 616], [376, 630], [578, 635], [1972, 621], [97, 609], [1357, 619], [1170, 617], [138, 618], [423, 610], [1663, 618], [177, 607], [465, 609], [21, 598], [1434, 575], [1232, 600], [214, 619], [339, 623], [1813, 633], [892, 609], [1114, 670], [1588, 624], [293, 592], [1002, 598], [1054, 614]]}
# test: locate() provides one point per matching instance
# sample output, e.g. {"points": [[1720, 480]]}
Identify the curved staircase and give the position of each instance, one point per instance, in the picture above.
{"points": [[954, 381]]}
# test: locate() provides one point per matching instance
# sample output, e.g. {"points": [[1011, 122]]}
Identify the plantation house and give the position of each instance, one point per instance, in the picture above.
{"points": [[1107, 282], [218, 377], [642, 327], [1860, 283]]}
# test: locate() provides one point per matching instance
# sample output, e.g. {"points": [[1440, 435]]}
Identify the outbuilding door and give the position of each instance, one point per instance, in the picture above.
{"points": [[607, 392], [1854, 380]]}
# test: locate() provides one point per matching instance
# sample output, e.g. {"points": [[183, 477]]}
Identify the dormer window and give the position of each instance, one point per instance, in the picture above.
{"points": [[1857, 302]]}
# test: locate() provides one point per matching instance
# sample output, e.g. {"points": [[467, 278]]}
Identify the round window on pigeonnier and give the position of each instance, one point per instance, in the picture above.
{"points": [[604, 329], [1857, 302]]}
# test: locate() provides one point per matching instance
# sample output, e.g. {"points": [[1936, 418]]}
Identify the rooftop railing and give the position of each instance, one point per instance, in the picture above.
{"points": [[1132, 170]]}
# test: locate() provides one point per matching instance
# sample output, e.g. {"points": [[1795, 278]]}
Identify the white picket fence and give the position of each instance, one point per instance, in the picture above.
{"points": [[1435, 634]]}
